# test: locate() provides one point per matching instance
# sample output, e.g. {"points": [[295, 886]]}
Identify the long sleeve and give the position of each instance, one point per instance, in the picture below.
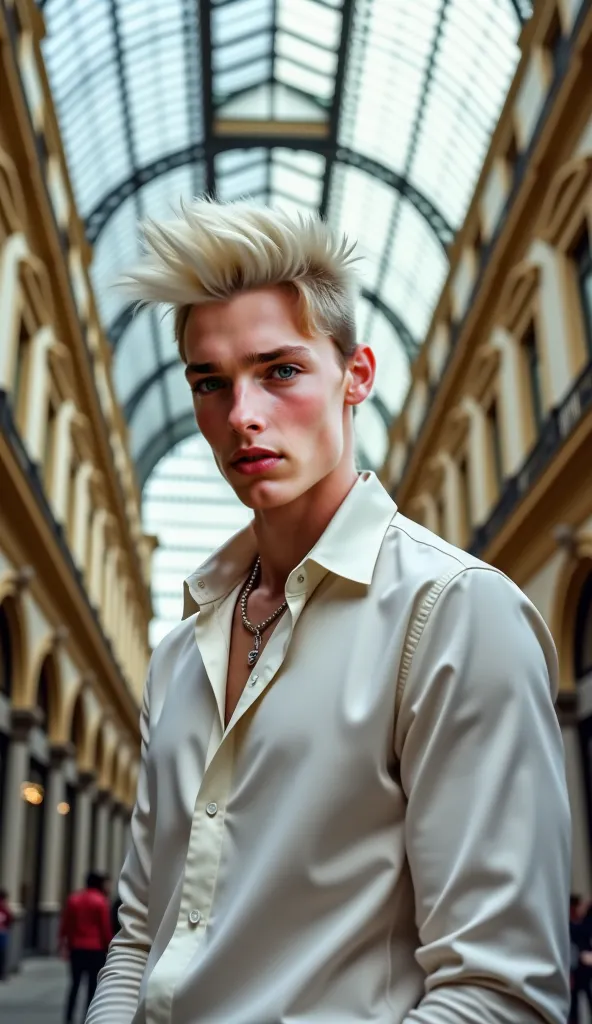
{"points": [[488, 827], [116, 998]]}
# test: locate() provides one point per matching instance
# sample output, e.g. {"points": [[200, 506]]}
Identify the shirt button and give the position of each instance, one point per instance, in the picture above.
{"points": [[212, 809], [194, 917], [301, 577], [201, 584], [253, 680]]}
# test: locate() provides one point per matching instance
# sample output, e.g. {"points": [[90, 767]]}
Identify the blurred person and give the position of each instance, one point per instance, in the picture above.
{"points": [[351, 802], [114, 903], [85, 934], [580, 934], [6, 921]]}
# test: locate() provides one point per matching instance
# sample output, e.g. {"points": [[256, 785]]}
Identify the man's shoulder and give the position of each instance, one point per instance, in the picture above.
{"points": [[425, 557], [178, 640]]}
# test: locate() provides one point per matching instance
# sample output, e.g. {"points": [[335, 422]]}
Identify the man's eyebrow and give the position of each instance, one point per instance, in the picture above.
{"points": [[252, 359]]}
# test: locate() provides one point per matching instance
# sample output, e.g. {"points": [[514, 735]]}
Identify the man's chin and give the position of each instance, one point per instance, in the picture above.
{"points": [[264, 494]]}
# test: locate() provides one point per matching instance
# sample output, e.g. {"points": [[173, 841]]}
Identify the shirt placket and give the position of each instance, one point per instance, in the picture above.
{"points": [[207, 829]]}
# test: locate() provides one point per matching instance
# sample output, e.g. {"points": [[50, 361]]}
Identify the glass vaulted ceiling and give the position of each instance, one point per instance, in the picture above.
{"points": [[376, 112]]}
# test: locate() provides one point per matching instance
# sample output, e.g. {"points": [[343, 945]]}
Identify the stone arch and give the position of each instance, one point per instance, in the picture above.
{"points": [[570, 583], [123, 759], [518, 292], [20, 269], [568, 186], [12, 203], [106, 754], [48, 695], [10, 604], [80, 729], [46, 649], [132, 784]]}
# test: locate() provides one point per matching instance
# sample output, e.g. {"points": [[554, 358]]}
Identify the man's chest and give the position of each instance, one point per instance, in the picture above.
{"points": [[323, 691], [242, 644]]}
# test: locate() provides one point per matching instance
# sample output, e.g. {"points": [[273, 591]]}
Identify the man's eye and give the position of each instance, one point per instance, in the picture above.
{"points": [[206, 386], [285, 372]]}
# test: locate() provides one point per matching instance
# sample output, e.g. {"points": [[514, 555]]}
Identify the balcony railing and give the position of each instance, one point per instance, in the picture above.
{"points": [[560, 423]]}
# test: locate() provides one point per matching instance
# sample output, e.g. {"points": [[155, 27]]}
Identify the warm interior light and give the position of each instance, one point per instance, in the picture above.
{"points": [[63, 808], [32, 792]]}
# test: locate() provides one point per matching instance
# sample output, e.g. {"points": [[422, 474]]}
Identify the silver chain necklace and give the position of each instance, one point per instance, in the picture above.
{"points": [[256, 630]]}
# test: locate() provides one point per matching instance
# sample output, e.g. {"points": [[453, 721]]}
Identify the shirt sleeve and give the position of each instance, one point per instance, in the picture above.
{"points": [[116, 998], [488, 828]]}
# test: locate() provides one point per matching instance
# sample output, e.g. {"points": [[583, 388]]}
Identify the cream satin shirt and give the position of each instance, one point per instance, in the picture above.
{"points": [[382, 832]]}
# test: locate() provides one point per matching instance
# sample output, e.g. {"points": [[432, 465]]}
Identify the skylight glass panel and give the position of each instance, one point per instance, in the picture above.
{"points": [[149, 419], [362, 206], [372, 436], [306, 52], [192, 510], [415, 270], [242, 16], [243, 50], [304, 78], [135, 359], [312, 19], [290, 182], [177, 390], [393, 370]]}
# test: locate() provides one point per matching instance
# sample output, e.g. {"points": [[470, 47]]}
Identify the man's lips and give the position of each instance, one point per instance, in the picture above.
{"points": [[250, 464]]}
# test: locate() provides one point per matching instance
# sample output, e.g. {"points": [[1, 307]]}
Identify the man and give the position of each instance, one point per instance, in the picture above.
{"points": [[351, 803], [85, 934], [6, 921]]}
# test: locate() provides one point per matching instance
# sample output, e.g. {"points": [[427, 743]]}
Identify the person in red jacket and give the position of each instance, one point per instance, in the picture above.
{"points": [[85, 934], [6, 920]]}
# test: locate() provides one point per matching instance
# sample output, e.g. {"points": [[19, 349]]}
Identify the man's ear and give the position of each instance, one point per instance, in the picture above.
{"points": [[360, 373]]}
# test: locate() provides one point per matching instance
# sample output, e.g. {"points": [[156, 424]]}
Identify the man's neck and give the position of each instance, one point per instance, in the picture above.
{"points": [[286, 534]]}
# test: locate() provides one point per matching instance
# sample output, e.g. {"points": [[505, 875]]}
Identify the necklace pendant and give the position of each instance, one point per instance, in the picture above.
{"points": [[252, 657]]}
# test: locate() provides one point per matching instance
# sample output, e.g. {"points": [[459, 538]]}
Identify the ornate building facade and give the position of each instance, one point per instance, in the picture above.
{"points": [[493, 448], [74, 563]]}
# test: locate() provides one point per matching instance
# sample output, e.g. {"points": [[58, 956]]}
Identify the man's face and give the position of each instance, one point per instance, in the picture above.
{"points": [[259, 384]]}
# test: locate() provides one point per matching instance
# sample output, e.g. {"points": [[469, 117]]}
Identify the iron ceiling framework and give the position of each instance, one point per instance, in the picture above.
{"points": [[375, 112]]}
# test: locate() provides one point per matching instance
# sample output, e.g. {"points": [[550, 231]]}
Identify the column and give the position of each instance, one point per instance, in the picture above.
{"points": [[100, 855], [127, 834], [95, 581], [81, 508], [60, 475], [11, 253], [53, 852], [37, 398], [453, 510], [514, 400], [12, 841], [116, 851], [480, 470], [82, 826]]}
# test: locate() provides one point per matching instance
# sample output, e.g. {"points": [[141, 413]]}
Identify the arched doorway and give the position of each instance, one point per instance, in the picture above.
{"points": [[583, 634], [37, 809], [582, 666], [6, 667]]}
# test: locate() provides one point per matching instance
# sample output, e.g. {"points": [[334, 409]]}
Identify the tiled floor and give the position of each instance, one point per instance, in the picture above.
{"points": [[36, 994]]}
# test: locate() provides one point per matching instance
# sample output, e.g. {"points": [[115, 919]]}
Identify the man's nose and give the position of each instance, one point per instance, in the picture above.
{"points": [[246, 413]]}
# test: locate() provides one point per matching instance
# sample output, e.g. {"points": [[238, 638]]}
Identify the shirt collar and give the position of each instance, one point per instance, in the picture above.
{"points": [[348, 547]]}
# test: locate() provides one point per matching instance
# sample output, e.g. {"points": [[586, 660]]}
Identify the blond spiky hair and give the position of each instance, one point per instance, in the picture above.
{"points": [[214, 250]]}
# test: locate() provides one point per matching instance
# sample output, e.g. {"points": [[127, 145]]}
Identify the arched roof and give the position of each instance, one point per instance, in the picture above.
{"points": [[377, 112]]}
